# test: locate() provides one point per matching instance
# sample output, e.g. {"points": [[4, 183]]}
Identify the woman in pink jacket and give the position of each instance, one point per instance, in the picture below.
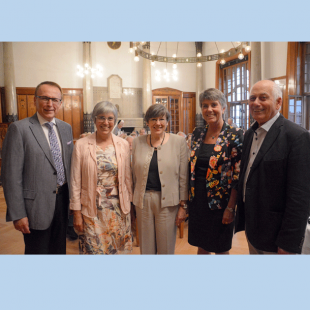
{"points": [[101, 187]]}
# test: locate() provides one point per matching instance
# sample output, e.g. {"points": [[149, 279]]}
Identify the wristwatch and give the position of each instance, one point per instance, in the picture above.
{"points": [[184, 206]]}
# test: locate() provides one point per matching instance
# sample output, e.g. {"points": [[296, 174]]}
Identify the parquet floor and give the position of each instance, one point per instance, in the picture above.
{"points": [[11, 241]]}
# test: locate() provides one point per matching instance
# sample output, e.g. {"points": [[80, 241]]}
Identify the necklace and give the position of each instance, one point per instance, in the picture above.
{"points": [[160, 144]]}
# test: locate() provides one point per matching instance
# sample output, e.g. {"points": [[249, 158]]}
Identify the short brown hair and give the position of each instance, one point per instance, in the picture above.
{"points": [[156, 110], [48, 83]]}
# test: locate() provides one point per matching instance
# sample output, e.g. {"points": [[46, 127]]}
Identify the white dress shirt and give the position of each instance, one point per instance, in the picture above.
{"points": [[45, 130], [258, 139]]}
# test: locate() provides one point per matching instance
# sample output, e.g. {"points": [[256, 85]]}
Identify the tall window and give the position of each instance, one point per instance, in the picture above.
{"points": [[299, 75], [235, 86]]}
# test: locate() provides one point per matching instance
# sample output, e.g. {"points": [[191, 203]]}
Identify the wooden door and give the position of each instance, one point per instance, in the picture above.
{"points": [[174, 109], [188, 112]]}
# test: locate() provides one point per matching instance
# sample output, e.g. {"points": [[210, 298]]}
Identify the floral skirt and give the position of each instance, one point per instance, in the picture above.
{"points": [[109, 232]]}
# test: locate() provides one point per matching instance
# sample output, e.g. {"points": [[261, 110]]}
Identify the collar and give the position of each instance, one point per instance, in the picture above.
{"points": [[267, 125], [42, 120]]}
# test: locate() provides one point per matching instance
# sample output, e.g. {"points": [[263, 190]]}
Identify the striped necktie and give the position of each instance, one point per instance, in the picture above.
{"points": [[56, 154]]}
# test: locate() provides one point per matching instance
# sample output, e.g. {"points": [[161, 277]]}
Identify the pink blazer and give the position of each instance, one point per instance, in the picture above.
{"points": [[84, 175]]}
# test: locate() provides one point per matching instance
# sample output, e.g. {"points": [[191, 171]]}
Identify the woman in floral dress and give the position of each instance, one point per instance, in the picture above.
{"points": [[214, 173], [101, 187]]}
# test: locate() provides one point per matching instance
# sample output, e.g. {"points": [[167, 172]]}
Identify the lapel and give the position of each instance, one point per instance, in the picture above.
{"points": [[271, 136], [117, 146], [246, 150], [40, 137], [92, 146]]}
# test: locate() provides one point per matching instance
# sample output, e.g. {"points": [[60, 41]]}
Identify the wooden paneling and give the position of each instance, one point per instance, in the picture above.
{"points": [[67, 108], [22, 106], [71, 110], [31, 105], [189, 112], [291, 71], [76, 120]]}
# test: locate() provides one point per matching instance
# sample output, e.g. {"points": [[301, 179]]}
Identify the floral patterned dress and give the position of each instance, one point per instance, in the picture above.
{"points": [[110, 231], [214, 172]]}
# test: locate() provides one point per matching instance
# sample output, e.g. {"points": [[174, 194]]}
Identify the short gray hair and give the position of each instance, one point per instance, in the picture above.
{"points": [[213, 94], [277, 91], [103, 107], [156, 110]]}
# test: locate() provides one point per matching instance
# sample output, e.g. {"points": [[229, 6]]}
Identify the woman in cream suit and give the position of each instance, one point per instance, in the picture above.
{"points": [[160, 175], [101, 187]]}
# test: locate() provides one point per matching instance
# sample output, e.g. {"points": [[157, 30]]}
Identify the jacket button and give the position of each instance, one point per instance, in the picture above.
{"points": [[163, 198], [163, 185], [54, 192], [159, 148], [161, 172], [55, 172]]}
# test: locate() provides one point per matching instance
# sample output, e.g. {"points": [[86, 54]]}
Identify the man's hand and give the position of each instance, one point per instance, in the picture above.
{"points": [[22, 225], [281, 251]]}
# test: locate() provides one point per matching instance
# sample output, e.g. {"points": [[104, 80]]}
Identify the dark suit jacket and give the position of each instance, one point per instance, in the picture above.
{"points": [[277, 202], [29, 173]]}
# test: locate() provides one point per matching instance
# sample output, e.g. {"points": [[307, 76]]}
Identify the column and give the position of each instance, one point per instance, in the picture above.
{"points": [[87, 90], [146, 80], [199, 121], [256, 63], [9, 84]]}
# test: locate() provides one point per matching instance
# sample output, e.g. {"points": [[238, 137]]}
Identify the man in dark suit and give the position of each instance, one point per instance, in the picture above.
{"points": [[36, 172], [274, 182]]}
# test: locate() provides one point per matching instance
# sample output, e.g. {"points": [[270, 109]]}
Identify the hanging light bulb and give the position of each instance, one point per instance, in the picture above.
{"points": [[153, 63], [222, 51], [241, 56], [248, 48], [199, 54], [174, 55], [136, 56], [199, 64], [174, 66], [223, 61], [131, 47]]}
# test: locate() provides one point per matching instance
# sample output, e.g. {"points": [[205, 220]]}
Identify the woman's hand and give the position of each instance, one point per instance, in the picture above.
{"points": [[228, 217], [181, 216], [78, 221]]}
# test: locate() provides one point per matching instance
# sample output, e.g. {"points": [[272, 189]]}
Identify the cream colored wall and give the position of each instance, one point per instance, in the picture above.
{"points": [[38, 61], [54, 61], [118, 62], [274, 58], [186, 72]]}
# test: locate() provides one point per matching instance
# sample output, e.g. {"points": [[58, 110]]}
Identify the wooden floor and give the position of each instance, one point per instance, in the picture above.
{"points": [[11, 241]]}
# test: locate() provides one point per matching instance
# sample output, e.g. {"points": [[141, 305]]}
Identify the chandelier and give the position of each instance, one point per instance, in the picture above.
{"points": [[199, 58], [88, 70]]}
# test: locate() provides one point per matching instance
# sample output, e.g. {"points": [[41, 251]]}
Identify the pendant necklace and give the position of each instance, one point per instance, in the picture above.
{"points": [[155, 148]]}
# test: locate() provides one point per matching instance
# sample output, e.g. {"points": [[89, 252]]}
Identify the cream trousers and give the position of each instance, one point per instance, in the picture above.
{"points": [[157, 229]]}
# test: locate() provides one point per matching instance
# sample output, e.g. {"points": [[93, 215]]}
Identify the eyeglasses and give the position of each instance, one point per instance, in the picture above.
{"points": [[47, 99], [103, 119], [154, 120]]}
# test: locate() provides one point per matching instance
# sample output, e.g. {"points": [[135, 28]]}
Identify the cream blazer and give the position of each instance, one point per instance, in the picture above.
{"points": [[84, 175], [172, 167]]}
